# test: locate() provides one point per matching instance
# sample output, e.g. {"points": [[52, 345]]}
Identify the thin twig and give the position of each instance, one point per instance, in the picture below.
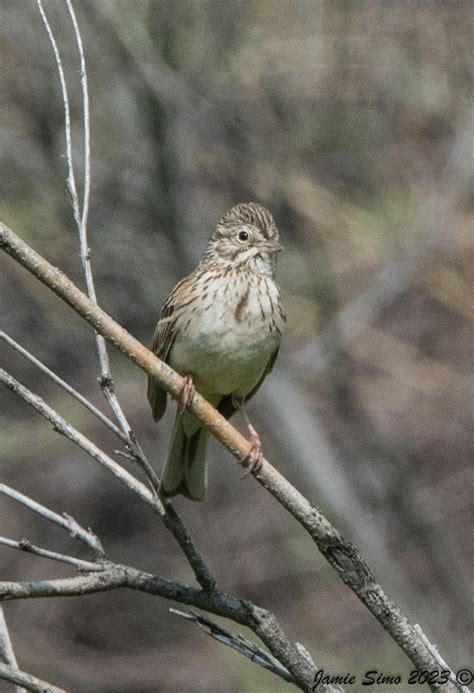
{"points": [[176, 526], [138, 456], [105, 380], [64, 428], [170, 517], [81, 217], [65, 521], [135, 453], [6, 647], [25, 545], [71, 181], [236, 642], [31, 683], [62, 383], [434, 651], [87, 146]]}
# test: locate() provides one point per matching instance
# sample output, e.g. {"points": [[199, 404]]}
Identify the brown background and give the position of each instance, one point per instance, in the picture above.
{"points": [[353, 123]]}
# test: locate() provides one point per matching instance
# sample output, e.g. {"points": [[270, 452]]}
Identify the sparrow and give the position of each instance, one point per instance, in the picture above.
{"points": [[220, 328]]}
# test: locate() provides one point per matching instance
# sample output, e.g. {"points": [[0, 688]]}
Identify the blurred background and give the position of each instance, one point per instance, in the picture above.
{"points": [[353, 122]]}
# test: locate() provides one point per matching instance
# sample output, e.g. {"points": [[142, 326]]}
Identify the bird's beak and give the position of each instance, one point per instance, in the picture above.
{"points": [[270, 247]]}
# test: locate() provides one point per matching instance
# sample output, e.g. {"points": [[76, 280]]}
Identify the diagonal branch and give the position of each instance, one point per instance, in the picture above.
{"points": [[168, 514], [434, 651], [7, 652], [236, 642], [27, 547], [62, 383], [170, 517], [31, 683], [65, 521], [64, 428], [250, 649], [339, 552]]}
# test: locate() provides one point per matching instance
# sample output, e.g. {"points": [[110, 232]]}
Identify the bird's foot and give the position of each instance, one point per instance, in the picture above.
{"points": [[187, 393], [254, 458]]}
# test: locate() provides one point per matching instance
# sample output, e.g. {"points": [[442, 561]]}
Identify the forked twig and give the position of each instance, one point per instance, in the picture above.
{"points": [[81, 217]]}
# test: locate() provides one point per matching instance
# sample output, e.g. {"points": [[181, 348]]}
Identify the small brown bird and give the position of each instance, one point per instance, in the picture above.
{"points": [[220, 328]]}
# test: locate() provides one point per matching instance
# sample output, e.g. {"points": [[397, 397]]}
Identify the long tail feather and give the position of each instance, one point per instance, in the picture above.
{"points": [[185, 470]]}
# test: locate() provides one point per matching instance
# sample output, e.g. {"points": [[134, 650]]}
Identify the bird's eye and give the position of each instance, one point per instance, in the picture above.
{"points": [[243, 235]]}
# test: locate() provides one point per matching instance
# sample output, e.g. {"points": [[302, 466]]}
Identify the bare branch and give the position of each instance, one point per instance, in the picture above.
{"points": [[262, 622], [109, 579], [134, 453], [138, 456], [304, 653], [6, 647], [62, 383], [71, 181], [339, 552], [64, 428], [236, 642], [31, 683], [82, 216], [170, 517], [442, 663], [65, 521], [176, 526], [87, 138], [105, 380], [25, 545]]}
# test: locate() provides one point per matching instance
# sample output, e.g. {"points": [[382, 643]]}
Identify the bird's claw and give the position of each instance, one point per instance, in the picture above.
{"points": [[254, 458], [187, 393]]}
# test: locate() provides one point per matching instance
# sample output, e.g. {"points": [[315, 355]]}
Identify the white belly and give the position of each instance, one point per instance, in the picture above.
{"points": [[226, 348]]}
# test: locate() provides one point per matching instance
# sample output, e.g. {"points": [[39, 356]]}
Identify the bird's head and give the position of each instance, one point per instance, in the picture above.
{"points": [[246, 235]]}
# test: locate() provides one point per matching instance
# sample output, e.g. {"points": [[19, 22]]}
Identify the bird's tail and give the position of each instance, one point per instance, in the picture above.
{"points": [[185, 470]]}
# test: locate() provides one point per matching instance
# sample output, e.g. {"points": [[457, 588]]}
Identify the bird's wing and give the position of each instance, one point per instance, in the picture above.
{"points": [[268, 369], [165, 334], [226, 406]]}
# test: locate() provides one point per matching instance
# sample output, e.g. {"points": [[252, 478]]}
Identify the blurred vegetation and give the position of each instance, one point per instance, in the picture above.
{"points": [[353, 122]]}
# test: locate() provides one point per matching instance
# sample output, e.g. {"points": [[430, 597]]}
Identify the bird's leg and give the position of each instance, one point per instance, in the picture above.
{"points": [[187, 393], [254, 457]]}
